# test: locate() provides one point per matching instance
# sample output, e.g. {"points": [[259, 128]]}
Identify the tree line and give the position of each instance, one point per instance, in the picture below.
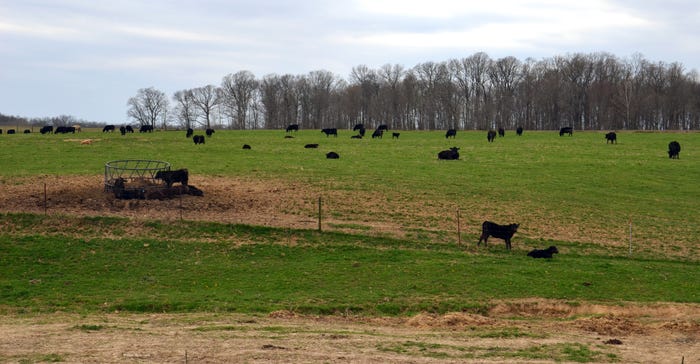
{"points": [[596, 91]]}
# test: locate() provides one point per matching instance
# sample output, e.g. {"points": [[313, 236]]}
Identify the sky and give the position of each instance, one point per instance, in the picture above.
{"points": [[86, 58]]}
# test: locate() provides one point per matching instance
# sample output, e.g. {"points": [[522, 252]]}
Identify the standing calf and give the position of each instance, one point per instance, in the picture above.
{"points": [[504, 232], [170, 177]]}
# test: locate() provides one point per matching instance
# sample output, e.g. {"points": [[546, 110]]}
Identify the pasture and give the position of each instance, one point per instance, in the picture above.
{"points": [[389, 246]]}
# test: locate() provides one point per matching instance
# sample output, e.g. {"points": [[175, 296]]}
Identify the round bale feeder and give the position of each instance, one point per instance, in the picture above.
{"points": [[134, 174]]}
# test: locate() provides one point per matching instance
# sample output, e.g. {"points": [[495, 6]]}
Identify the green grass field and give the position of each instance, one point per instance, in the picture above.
{"points": [[574, 192]]}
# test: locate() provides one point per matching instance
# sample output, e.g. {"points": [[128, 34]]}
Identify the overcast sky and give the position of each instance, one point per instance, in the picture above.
{"points": [[87, 57]]}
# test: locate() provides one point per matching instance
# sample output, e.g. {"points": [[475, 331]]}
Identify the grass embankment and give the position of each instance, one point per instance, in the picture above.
{"points": [[92, 264]]}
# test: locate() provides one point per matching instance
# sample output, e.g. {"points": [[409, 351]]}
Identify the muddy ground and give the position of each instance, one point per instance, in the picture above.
{"points": [[515, 332]]}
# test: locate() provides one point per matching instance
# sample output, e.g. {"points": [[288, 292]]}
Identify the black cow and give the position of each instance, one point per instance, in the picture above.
{"points": [[122, 130], [246, 146], [189, 133], [383, 127], [292, 127], [358, 127], [10, 131], [566, 130], [450, 154], [311, 146], [122, 193], [209, 132], [46, 129], [451, 133], [491, 135], [504, 232], [674, 148], [332, 155], [146, 129], [64, 130], [170, 177], [330, 131], [543, 253], [611, 137], [198, 139], [362, 132], [377, 133], [501, 132], [129, 129], [519, 131], [108, 128], [27, 131], [395, 135], [0, 131]]}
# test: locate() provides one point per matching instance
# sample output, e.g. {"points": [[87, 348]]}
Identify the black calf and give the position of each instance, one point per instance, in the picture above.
{"points": [[543, 253]]}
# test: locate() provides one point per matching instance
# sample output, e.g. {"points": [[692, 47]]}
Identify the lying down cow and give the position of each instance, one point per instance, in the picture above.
{"points": [[170, 177], [543, 253], [504, 232]]}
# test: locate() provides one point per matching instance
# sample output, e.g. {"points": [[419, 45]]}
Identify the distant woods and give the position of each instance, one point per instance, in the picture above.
{"points": [[596, 91], [586, 91]]}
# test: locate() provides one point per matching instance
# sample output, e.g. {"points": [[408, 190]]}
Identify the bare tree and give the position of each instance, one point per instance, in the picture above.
{"points": [[207, 98], [237, 92], [148, 106], [186, 111]]}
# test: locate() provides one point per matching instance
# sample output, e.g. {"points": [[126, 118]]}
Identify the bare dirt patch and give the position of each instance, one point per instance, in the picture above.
{"points": [[288, 337]]}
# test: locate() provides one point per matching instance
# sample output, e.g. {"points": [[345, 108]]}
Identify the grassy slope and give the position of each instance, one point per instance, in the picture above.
{"points": [[249, 269], [539, 179]]}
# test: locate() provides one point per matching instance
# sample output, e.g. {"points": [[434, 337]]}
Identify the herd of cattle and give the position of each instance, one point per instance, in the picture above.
{"points": [[488, 229], [674, 148]]}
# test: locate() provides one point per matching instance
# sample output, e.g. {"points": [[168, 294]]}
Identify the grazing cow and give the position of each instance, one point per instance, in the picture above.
{"points": [[332, 155], [109, 128], [246, 146], [122, 193], [383, 127], [566, 130], [451, 133], [122, 130], [358, 136], [395, 135], [674, 148], [543, 253], [27, 131], [76, 127], [209, 132], [450, 154], [64, 130], [10, 131], [46, 129], [501, 132], [491, 135], [519, 131], [129, 129], [358, 127], [0, 131], [292, 127], [170, 177], [504, 232], [377, 133], [611, 137], [189, 133], [362, 132], [311, 146], [330, 131], [198, 139], [146, 129]]}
